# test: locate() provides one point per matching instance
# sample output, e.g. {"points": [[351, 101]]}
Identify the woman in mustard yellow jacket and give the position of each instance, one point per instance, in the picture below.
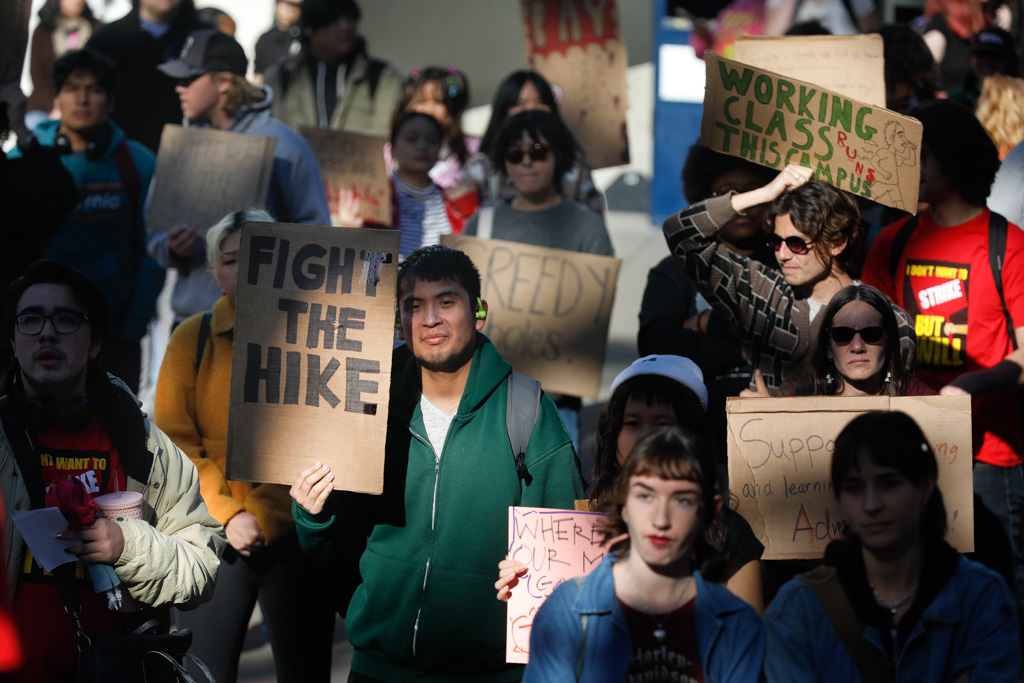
{"points": [[263, 561]]}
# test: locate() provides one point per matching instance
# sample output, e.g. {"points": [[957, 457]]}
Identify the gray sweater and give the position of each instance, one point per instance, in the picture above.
{"points": [[568, 225]]}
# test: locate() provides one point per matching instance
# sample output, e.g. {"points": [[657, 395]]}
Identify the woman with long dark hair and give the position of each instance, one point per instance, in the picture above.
{"points": [[893, 600]]}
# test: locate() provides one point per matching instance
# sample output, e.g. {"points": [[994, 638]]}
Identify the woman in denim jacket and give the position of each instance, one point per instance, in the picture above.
{"points": [[909, 606], [645, 613]]}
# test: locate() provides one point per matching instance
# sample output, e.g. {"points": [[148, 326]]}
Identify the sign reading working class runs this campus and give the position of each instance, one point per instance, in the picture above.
{"points": [[314, 323], [774, 120]]}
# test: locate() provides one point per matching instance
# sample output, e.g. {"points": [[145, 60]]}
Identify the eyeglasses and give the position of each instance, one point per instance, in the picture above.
{"points": [[185, 82], [537, 152], [844, 335], [795, 244], [64, 322]]}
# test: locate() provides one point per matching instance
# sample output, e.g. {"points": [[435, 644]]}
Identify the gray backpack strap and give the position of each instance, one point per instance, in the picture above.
{"points": [[485, 224], [520, 415], [584, 622]]}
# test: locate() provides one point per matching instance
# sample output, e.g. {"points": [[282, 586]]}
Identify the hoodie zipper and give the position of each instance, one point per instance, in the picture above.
{"points": [[433, 516]]}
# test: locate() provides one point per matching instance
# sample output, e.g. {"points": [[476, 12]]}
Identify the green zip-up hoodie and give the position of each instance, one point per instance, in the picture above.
{"points": [[426, 609]]}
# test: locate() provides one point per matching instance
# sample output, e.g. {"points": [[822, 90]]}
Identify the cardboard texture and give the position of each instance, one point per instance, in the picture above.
{"points": [[14, 20], [548, 309], [314, 324], [774, 120], [577, 45], [780, 459], [556, 545], [349, 161], [851, 65], [203, 175]]}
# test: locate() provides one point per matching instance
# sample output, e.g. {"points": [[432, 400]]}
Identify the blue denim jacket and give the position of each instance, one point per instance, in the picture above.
{"points": [[730, 636], [970, 626]]}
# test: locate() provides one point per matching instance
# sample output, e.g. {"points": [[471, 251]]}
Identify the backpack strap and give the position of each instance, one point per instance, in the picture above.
{"points": [[521, 413], [24, 451], [130, 179], [869, 660], [997, 229], [204, 335], [485, 224], [899, 243]]}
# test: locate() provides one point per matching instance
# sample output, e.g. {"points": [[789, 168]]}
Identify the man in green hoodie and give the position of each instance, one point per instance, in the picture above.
{"points": [[426, 609]]}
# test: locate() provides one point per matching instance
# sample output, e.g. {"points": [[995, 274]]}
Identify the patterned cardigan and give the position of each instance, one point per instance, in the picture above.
{"points": [[771, 318]]}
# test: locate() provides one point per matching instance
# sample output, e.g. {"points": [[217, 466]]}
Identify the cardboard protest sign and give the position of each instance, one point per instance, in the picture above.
{"points": [[549, 309], [774, 120], [556, 545], [780, 459], [851, 65], [577, 46], [203, 175], [14, 19], [350, 161], [314, 324]]}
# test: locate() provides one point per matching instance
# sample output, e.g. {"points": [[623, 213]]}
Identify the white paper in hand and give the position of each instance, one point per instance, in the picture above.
{"points": [[39, 528]]}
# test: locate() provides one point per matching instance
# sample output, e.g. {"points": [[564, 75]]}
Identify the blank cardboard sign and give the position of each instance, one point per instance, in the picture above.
{"points": [[775, 120], [203, 175], [548, 309], [350, 161], [311, 371], [780, 459]]}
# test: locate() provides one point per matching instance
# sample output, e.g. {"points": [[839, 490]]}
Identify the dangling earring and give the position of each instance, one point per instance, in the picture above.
{"points": [[829, 379], [888, 376]]}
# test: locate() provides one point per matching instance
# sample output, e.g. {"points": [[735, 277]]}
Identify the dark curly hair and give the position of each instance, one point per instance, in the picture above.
{"points": [[829, 217], [673, 453], [454, 91], [964, 150], [823, 365], [704, 164], [537, 124], [435, 263], [891, 439]]}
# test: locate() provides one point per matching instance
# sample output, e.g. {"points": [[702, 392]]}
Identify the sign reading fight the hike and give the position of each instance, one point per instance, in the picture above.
{"points": [[548, 309], [203, 175], [14, 19], [314, 325], [350, 161], [555, 545], [577, 46], [780, 459], [774, 120], [851, 65]]}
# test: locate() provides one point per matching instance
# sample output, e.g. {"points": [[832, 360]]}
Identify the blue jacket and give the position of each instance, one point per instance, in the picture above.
{"points": [[104, 237], [296, 195], [970, 626], [730, 638]]}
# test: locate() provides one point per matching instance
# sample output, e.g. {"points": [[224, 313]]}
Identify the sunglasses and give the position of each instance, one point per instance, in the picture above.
{"points": [[537, 152], [795, 244], [844, 335], [186, 82]]}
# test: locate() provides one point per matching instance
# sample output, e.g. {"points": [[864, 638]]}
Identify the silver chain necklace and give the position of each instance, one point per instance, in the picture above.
{"points": [[659, 626], [893, 606]]}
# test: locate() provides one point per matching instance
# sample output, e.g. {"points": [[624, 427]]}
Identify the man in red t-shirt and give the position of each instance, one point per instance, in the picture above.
{"points": [[943, 279]]}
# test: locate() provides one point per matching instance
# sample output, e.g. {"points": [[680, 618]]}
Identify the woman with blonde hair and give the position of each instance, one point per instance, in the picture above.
{"points": [[1001, 111]]}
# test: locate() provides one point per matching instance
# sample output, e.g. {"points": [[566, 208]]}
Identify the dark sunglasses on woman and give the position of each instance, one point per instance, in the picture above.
{"points": [[795, 244], [844, 335], [536, 152]]}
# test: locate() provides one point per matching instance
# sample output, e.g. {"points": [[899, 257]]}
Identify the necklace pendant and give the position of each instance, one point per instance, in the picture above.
{"points": [[659, 634]]}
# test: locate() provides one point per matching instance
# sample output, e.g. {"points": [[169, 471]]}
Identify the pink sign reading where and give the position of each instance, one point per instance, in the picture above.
{"points": [[556, 545]]}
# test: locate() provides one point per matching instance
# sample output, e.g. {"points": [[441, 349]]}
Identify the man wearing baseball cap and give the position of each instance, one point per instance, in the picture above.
{"points": [[214, 93]]}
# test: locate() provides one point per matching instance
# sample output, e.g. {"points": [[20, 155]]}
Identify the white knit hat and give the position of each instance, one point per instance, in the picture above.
{"points": [[682, 370]]}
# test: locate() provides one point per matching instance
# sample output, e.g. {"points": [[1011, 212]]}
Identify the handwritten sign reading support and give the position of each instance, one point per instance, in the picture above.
{"points": [[350, 161], [314, 325], [774, 120], [203, 175], [555, 545], [577, 46], [851, 65], [780, 459], [14, 19], [549, 309]]}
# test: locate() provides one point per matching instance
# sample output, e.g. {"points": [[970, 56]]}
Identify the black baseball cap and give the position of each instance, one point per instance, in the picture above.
{"points": [[207, 50]]}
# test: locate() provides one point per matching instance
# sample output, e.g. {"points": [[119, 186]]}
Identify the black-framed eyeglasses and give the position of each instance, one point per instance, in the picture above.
{"points": [[64, 322], [536, 152], [795, 244], [844, 335]]}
